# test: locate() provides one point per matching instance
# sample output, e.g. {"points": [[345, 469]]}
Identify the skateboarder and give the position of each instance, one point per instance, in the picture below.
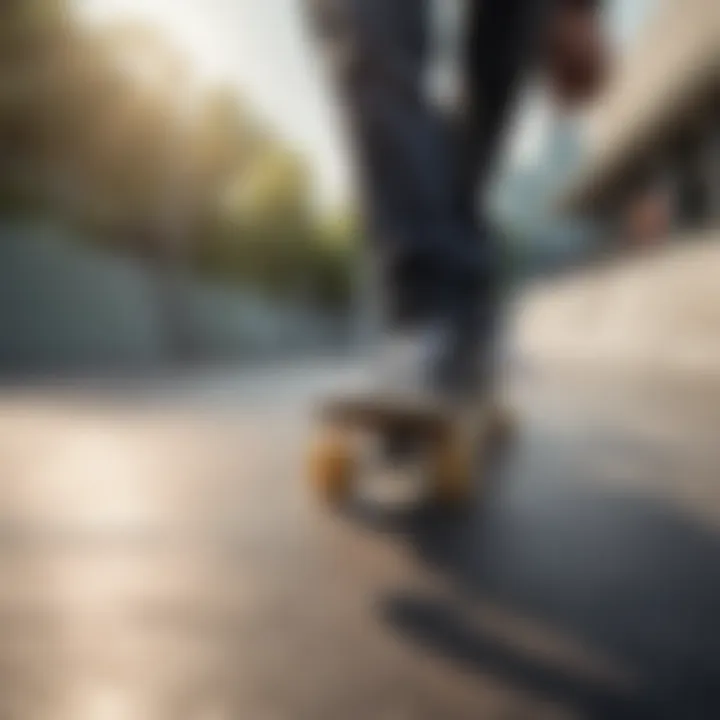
{"points": [[420, 172]]}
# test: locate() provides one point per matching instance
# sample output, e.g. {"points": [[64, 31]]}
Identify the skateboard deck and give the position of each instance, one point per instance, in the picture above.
{"points": [[450, 440], [387, 413]]}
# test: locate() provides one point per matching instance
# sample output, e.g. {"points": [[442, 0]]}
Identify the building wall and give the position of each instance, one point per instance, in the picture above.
{"points": [[680, 43], [653, 116]]}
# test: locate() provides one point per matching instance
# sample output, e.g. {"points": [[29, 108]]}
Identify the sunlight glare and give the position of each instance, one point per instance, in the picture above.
{"points": [[191, 25]]}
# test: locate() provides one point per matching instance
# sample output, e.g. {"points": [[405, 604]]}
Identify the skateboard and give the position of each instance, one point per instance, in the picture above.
{"points": [[449, 443]]}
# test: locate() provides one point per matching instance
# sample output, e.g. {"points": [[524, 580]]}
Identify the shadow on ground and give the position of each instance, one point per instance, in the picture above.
{"points": [[623, 574]]}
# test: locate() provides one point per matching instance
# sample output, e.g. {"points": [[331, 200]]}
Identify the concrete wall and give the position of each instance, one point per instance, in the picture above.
{"points": [[66, 306], [679, 47], [659, 92]]}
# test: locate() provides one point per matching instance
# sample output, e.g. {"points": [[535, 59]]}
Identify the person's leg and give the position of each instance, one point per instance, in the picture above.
{"points": [[500, 38], [501, 42], [379, 52]]}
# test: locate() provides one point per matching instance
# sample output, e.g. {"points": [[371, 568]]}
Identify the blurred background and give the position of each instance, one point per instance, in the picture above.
{"points": [[181, 276], [175, 186], [161, 186]]}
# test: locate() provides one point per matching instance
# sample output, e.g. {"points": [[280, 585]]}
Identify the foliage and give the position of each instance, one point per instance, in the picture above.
{"points": [[105, 128]]}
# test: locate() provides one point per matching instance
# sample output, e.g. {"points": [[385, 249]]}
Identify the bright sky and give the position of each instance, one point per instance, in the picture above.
{"points": [[263, 48]]}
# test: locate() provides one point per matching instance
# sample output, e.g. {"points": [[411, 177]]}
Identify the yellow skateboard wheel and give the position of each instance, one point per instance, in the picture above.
{"points": [[333, 465]]}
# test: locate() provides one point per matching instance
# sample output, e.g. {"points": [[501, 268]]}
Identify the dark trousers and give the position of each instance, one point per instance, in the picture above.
{"points": [[421, 170]]}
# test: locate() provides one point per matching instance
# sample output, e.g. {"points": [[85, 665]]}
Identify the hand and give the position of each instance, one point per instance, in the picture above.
{"points": [[576, 52]]}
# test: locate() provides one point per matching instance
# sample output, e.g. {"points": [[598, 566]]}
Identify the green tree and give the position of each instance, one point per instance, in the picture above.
{"points": [[104, 128]]}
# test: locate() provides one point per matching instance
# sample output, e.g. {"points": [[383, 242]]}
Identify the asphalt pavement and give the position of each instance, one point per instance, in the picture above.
{"points": [[161, 556]]}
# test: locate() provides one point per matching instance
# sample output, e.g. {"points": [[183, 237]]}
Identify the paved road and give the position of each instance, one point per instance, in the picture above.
{"points": [[160, 557]]}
